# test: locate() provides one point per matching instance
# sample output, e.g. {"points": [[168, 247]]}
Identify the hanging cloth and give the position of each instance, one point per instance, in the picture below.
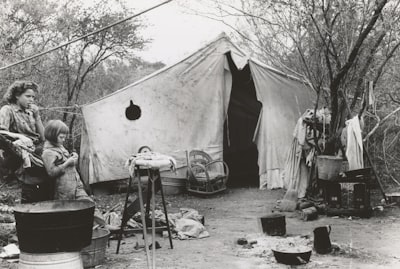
{"points": [[295, 171], [354, 148]]}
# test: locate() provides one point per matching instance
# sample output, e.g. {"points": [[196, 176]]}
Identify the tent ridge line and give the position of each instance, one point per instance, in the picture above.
{"points": [[220, 36], [270, 68]]}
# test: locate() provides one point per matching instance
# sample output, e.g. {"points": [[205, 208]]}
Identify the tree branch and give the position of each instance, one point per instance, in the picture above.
{"points": [[359, 42], [365, 68], [393, 99], [344, 70], [384, 158], [379, 122], [389, 56]]}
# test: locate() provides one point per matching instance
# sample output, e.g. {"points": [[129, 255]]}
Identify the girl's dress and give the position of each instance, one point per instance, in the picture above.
{"points": [[68, 185]]}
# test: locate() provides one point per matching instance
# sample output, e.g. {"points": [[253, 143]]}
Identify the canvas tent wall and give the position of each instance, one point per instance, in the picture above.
{"points": [[183, 107]]}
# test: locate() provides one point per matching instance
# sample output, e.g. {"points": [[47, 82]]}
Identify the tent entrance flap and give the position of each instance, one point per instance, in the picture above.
{"points": [[240, 152]]}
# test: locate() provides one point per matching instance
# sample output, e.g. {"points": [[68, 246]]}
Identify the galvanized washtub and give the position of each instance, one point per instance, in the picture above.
{"points": [[54, 226], [94, 254]]}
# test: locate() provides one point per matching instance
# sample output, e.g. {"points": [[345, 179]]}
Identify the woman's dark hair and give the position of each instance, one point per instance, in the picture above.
{"points": [[53, 129], [18, 88]]}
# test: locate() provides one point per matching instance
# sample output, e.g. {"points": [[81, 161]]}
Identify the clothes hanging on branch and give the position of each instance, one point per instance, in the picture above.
{"points": [[354, 147]]}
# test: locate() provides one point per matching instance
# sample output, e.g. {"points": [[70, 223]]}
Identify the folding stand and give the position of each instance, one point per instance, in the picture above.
{"points": [[153, 180]]}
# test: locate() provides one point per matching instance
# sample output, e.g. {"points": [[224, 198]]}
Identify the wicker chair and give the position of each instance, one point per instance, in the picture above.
{"points": [[204, 177]]}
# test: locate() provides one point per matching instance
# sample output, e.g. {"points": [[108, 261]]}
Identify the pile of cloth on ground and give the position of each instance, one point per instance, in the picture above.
{"points": [[186, 224]]}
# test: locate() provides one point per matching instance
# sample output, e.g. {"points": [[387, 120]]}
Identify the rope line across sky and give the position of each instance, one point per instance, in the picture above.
{"points": [[84, 36]]}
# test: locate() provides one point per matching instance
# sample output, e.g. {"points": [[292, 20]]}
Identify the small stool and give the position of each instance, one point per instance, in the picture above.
{"points": [[153, 175]]}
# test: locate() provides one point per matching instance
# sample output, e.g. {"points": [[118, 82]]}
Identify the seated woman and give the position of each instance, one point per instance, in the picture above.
{"points": [[20, 122]]}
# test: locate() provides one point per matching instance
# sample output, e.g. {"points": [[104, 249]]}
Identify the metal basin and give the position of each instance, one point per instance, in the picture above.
{"points": [[292, 257], [54, 226]]}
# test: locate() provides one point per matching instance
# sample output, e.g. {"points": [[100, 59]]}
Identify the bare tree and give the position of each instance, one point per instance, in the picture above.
{"points": [[335, 45], [33, 26]]}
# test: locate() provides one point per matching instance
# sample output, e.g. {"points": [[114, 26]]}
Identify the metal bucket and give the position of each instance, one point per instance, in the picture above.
{"points": [[322, 242], [54, 226], [273, 224], [329, 167], [62, 260], [173, 186], [95, 254], [174, 183]]}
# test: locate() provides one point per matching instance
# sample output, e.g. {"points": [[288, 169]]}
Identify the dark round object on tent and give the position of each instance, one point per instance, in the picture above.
{"points": [[133, 112], [273, 224], [54, 226]]}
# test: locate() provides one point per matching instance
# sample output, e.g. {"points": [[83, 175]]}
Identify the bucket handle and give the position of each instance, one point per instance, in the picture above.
{"points": [[329, 228], [301, 261]]}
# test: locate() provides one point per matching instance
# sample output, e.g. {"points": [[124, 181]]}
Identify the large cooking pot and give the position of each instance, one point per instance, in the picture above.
{"points": [[292, 255], [54, 226]]}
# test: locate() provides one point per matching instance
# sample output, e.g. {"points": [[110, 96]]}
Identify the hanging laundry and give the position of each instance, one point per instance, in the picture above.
{"points": [[354, 147]]}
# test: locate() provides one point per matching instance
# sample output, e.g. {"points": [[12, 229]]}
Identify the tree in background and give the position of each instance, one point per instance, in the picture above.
{"points": [[23, 33], [338, 47], [80, 72], [331, 44], [81, 58]]}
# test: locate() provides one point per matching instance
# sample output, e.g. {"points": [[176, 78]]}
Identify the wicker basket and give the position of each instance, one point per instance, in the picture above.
{"points": [[329, 167]]}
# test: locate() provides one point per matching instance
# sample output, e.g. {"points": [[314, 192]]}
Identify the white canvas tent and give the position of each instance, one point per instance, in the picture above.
{"points": [[184, 107]]}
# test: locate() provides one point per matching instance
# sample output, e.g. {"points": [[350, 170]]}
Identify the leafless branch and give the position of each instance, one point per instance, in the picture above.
{"points": [[365, 68], [385, 160], [393, 99], [379, 122]]}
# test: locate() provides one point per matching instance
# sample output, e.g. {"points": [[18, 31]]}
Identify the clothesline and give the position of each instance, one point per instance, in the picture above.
{"points": [[68, 112], [63, 109], [83, 36], [59, 107], [72, 136]]}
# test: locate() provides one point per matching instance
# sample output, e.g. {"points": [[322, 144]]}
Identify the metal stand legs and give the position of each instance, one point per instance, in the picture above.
{"points": [[154, 183]]}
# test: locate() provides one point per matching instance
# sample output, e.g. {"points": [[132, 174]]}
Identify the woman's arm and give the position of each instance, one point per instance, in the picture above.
{"points": [[39, 127], [5, 121], [11, 134], [38, 120], [26, 140]]}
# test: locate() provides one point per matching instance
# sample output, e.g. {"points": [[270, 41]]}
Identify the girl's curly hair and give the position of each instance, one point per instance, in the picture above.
{"points": [[18, 88]]}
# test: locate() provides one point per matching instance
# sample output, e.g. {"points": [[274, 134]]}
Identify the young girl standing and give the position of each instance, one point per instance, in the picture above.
{"points": [[60, 164]]}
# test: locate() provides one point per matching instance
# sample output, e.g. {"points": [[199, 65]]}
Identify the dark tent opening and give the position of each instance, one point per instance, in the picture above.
{"points": [[240, 153]]}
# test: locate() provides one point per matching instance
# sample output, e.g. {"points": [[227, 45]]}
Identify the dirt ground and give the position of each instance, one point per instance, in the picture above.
{"points": [[363, 243]]}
